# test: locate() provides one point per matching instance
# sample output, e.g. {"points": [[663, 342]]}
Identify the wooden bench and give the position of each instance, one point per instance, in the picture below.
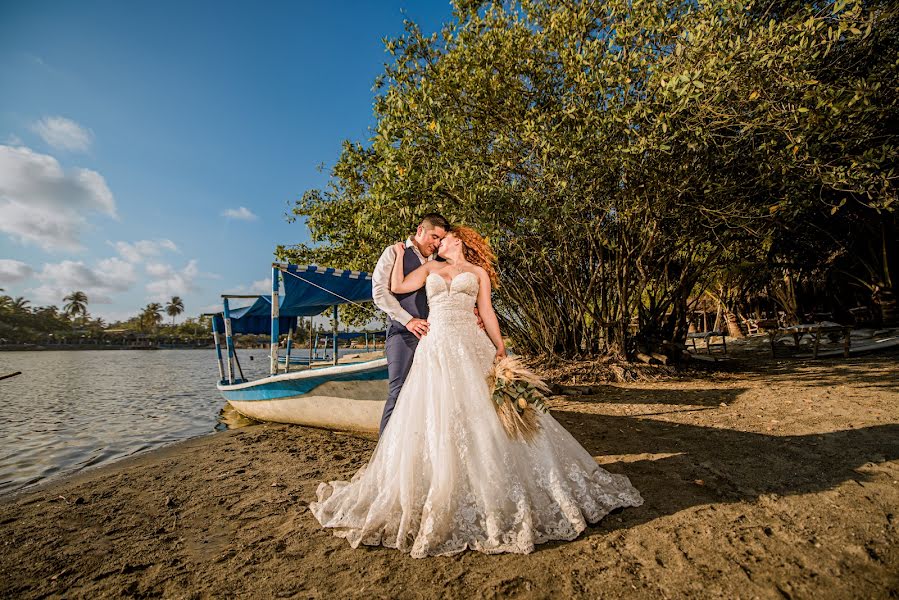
{"points": [[707, 336]]}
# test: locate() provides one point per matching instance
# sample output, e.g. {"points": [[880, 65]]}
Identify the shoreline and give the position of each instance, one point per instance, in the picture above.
{"points": [[79, 347], [26, 348], [87, 474], [782, 480]]}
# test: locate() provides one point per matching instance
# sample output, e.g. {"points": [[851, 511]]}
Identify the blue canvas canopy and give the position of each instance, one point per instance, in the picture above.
{"points": [[307, 291], [255, 318]]}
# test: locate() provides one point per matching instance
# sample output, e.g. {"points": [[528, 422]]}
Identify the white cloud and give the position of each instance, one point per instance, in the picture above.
{"points": [[139, 251], [242, 213], [170, 282], [64, 134], [216, 307], [263, 286], [43, 205], [13, 140], [51, 231], [260, 286], [117, 270], [110, 276], [211, 308], [14, 271]]}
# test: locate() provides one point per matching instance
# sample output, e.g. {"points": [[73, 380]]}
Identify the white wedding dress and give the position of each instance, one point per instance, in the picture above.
{"points": [[445, 476]]}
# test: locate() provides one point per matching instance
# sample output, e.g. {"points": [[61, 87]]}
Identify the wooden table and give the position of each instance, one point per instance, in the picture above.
{"points": [[815, 330]]}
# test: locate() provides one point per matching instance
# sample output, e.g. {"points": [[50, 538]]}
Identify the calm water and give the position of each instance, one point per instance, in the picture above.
{"points": [[70, 410]]}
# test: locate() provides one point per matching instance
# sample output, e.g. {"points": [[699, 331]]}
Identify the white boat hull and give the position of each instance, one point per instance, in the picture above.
{"points": [[346, 397]]}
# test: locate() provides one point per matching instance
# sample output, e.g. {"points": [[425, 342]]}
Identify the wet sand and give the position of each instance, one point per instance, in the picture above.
{"points": [[780, 480]]}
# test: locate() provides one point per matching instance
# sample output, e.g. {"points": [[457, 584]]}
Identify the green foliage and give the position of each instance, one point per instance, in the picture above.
{"points": [[618, 153], [20, 322], [516, 392]]}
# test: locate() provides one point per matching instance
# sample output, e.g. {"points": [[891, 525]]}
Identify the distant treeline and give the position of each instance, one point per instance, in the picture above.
{"points": [[22, 323]]}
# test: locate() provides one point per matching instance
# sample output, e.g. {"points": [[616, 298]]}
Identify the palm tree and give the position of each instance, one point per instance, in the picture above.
{"points": [[150, 314], [174, 308], [20, 304], [77, 304]]}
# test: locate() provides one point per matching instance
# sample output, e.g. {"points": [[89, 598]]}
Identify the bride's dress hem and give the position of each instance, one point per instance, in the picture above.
{"points": [[379, 539]]}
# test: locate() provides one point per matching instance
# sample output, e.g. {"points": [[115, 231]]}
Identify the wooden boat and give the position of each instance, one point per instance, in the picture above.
{"points": [[349, 396], [342, 395]]}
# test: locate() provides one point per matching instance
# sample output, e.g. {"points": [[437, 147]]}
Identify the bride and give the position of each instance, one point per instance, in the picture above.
{"points": [[445, 476]]}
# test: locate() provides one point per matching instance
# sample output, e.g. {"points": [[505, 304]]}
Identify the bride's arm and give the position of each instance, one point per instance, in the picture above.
{"points": [[485, 309], [400, 284]]}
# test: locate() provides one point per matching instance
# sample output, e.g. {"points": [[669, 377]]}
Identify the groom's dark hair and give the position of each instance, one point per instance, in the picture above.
{"points": [[432, 220]]}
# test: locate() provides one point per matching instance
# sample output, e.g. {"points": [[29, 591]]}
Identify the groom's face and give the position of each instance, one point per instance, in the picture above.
{"points": [[428, 239]]}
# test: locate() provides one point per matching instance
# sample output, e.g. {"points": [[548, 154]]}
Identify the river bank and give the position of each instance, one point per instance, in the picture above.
{"points": [[781, 480]]}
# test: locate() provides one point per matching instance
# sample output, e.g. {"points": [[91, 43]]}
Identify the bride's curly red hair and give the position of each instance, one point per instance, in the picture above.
{"points": [[477, 251]]}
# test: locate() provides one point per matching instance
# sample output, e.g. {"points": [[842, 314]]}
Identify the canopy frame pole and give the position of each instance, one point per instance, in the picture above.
{"points": [[311, 336], [216, 338], [335, 335], [241, 379], [229, 341], [289, 346], [275, 334]]}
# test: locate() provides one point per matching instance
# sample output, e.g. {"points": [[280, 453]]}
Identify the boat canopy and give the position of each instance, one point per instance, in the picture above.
{"points": [[308, 290]]}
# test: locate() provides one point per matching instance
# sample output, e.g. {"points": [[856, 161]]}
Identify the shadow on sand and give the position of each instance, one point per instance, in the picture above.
{"points": [[877, 371], [731, 465]]}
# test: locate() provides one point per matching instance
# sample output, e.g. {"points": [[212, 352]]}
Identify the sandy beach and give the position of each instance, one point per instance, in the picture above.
{"points": [[774, 480]]}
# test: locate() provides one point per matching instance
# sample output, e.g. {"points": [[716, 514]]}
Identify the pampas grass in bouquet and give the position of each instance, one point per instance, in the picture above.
{"points": [[518, 394]]}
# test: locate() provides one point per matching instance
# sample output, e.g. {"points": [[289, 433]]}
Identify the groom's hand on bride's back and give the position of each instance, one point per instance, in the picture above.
{"points": [[418, 327]]}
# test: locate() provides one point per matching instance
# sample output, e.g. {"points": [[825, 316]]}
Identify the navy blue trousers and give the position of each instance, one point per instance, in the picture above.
{"points": [[399, 350]]}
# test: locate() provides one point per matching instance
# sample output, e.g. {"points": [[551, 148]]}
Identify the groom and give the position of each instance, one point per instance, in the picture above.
{"points": [[408, 313]]}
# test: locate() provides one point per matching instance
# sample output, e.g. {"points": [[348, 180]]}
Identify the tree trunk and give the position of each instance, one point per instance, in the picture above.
{"points": [[717, 326], [785, 296], [889, 313], [733, 327]]}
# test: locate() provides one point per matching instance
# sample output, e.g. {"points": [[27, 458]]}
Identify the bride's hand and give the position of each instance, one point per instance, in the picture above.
{"points": [[500, 354], [399, 248]]}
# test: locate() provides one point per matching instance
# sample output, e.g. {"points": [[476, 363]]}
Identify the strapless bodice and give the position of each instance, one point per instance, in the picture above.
{"points": [[460, 293]]}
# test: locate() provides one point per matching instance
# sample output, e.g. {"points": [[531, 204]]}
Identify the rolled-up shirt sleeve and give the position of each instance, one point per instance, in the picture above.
{"points": [[380, 288]]}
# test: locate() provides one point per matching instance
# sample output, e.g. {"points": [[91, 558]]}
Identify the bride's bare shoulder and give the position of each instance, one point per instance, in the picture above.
{"points": [[481, 272]]}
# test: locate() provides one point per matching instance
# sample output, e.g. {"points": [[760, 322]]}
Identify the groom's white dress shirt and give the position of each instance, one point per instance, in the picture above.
{"points": [[380, 284]]}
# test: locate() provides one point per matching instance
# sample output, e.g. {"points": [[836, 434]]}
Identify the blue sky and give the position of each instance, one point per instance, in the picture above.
{"points": [[151, 149]]}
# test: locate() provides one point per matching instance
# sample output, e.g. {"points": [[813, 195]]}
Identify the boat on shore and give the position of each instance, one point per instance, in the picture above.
{"points": [[348, 394]]}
